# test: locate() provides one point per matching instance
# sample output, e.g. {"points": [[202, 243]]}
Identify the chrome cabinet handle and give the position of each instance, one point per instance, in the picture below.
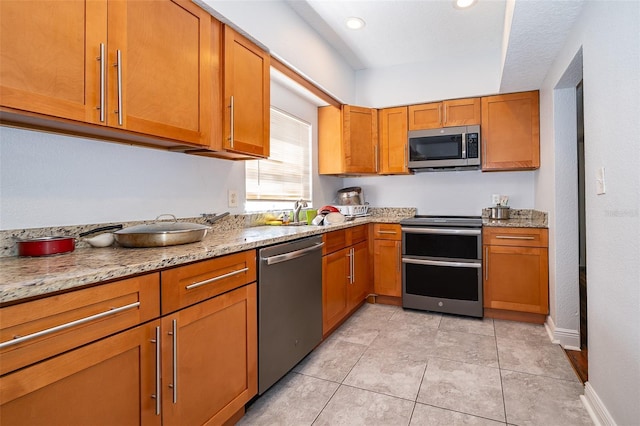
{"points": [[214, 279], [156, 396], [387, 232], [174, 343], [20, 339], [353, 265], [513, 237], [232, 122], [118, 65], [101, 59], [350, 276], [486, 269]]}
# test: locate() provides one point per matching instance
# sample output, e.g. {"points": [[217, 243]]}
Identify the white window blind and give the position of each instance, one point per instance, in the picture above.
{"points": [[286, 175]]}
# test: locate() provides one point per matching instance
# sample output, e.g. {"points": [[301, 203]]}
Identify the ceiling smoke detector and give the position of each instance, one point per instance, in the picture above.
{"points": [[463, 4], [354, 23]]}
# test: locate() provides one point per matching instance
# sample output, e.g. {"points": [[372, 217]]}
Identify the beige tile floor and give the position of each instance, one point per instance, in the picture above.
{"points": [[389, 366]]}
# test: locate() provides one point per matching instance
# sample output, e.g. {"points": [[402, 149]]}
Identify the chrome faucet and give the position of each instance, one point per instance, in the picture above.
{"points": [[297, 206]]}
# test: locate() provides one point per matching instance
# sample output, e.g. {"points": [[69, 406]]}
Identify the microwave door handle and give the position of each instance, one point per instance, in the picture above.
{"points": [[464, 145]]}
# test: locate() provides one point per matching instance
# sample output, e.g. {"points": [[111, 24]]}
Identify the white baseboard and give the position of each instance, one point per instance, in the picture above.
{"points": [[567, 338], [596, 408]]}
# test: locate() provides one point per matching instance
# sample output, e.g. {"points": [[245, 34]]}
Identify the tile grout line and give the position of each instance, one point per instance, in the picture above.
{"points": [[504, 402]]}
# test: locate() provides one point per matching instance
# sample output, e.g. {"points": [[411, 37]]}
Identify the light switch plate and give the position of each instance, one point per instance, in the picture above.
{"points": [[233, 198], [600, 186]]}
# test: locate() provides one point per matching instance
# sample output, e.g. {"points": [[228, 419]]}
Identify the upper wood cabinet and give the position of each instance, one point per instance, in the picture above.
{"points": [[49, 57], [393, 141], [110, 63], [511, 132], [456, 112], [246, 96], [347, 140], [164, 75]]}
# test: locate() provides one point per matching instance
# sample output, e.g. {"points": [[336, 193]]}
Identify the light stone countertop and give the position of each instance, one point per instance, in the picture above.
{"points": [[517, 219], [24, 277]]}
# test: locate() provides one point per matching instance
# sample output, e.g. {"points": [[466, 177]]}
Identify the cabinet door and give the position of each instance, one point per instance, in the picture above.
{"points": [[165, 69], [360, 139], [511, 132], [49, 57], [461, 112], [393, 140], [425, 116], [335, 276], [387, 267], [246, 96], [516, 278], [210, 359], [360, 285], [109, 382]]}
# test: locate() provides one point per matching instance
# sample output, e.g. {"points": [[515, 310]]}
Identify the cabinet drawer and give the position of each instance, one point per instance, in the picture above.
{"points": [[334, 241], [49, 326], [356, 234], [527, 237], [190, 284], [387, 231]]}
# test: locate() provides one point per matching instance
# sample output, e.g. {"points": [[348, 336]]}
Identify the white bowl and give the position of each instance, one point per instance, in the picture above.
{"points": [[102, 240]]}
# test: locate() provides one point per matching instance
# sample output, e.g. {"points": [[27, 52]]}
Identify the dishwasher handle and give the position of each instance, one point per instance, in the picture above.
{"points": [[272, 260]]}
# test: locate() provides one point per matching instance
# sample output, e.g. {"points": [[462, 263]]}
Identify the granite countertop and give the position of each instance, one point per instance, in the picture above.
{"points": [[23, 277], [517, 219]]}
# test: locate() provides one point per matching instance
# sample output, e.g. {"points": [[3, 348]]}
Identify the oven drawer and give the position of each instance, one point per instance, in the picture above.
{"points": [[521, 237]]}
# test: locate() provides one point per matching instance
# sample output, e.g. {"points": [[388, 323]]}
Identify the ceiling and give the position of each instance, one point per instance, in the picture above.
{"points": [[406, 32]]}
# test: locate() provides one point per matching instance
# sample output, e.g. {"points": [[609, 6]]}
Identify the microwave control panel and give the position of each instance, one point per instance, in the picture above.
{"points": [[472, 145]]}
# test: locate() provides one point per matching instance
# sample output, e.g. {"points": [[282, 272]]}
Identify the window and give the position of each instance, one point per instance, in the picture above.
{"points": [[285, 177]]}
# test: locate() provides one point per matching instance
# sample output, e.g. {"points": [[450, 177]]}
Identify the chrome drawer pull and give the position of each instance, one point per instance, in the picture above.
{"points": [[20, 339], [214, 279], [387, 232], [511, 237]]}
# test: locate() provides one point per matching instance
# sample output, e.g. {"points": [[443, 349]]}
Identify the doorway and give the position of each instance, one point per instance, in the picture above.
{"points": [[579, 359]]}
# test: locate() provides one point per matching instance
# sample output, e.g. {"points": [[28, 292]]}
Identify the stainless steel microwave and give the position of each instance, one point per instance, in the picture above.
{"points": [[450, 148]]}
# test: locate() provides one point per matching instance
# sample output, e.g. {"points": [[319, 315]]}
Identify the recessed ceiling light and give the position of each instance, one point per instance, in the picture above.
{"points": [[463, 4], [354, 23]]}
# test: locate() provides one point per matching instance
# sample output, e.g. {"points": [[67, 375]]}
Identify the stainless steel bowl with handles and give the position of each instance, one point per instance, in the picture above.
{"points": [[161, 234], [351, 196]]}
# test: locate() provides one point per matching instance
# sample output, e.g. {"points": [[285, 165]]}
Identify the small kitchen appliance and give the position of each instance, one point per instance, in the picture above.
{"points": [[442, 264], [449, 148]]}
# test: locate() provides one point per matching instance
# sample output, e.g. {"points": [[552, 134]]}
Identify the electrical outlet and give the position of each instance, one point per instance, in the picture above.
{"points": [[600, 187], [233, 198]]}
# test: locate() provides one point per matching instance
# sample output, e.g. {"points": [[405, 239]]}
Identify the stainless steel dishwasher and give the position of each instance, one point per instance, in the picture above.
{"points": [[289, 306]]}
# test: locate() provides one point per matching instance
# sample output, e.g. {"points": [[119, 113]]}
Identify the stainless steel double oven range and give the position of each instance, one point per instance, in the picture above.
{"points": [[442, 264]]}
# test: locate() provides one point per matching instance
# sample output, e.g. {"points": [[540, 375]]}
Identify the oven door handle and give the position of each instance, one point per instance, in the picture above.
{"points": [[442, 263], [441, 231]]}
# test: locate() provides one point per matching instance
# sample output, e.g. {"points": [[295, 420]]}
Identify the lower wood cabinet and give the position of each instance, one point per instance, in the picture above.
{"points": [[345, 276], [516, 273], [196, 364], [387, 260], [209, 359], [109, 382]]}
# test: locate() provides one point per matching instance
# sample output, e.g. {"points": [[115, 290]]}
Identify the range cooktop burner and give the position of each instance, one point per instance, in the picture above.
{"points": [[463, 221]]}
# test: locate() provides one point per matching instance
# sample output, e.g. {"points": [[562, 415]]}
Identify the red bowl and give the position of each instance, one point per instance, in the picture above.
{"points": [[46, 246]]}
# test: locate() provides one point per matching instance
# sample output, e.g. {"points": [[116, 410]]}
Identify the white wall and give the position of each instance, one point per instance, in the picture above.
{"points": [[449, 193], [54, 180], [418, 83], [609, 35], [275, 25]]}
